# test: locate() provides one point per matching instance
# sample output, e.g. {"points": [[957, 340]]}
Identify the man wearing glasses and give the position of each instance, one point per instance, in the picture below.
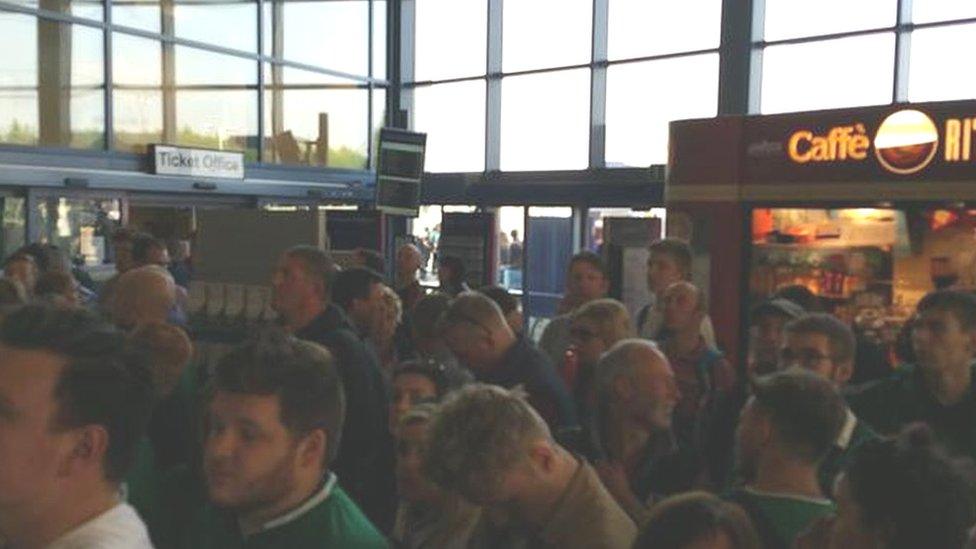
{"points": [[823, 345]]}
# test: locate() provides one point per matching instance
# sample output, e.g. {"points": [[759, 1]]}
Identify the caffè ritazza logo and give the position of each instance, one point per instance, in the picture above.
{"points": [[906, 142]]}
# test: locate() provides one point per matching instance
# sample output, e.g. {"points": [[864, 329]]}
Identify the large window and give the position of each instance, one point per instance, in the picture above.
{"points": [[544, 126], [813, 59], [52, 83], [936, 73], [195, 79], [786, 19], [453, 116], [641, 28], [315, 120], [541, 34], [450, 38], [532, 94], [637, 125], [826, 75]]}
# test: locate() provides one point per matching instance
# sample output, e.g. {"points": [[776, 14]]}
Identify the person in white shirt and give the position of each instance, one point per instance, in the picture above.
{"points": [[74, 401]]}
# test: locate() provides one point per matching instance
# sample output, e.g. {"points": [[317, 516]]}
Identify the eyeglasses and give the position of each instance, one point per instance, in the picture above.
{"points": [[805, 358]]}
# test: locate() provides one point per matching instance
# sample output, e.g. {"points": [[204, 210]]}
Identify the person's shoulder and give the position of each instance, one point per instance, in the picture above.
{"points": [[119, 528], [346, 525], [895, 382]]}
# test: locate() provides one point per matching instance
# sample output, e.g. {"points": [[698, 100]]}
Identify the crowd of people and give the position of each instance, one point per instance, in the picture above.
{"points": [[378, 414]]}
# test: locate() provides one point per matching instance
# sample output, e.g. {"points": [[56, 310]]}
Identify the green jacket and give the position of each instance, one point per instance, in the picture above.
{"points": [[888, 405], [778, 518], [328, 520]]}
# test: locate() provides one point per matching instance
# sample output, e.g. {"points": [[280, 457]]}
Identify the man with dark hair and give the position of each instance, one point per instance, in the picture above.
{"points": [[786, 429], [301, 294], [371, 259], [668, 261], [452, 275], [427, 340], [274, 425], [941, 388], [149, 250], [903, 493], [767, 322], [822, 344], [586, 281], [74, 402], [359, 291]]}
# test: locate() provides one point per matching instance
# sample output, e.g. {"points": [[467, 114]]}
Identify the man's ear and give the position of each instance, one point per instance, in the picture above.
{"points": [[87, 448], [844, 372], [542, 455], [313, 448]]}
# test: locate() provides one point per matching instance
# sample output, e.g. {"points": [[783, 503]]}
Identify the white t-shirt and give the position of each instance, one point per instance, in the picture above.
{"points": [[118, 528]]}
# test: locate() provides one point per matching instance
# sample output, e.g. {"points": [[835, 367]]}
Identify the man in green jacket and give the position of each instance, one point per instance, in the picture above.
{"points": [[785, 431], [940, 389], [822, 344], [274, 422]]}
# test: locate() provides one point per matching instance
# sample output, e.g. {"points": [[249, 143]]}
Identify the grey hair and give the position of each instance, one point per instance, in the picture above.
{"points": [[618, 362]]}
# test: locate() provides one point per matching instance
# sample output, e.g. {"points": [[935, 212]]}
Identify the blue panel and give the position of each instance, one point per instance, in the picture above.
{"points": [[547, 253]]}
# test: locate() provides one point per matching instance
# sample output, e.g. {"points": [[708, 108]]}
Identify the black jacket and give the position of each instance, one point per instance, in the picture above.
{"points": [[365, 461]]}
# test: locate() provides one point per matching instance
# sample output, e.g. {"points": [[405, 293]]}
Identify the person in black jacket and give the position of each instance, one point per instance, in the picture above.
{"points": [[302, 285]]}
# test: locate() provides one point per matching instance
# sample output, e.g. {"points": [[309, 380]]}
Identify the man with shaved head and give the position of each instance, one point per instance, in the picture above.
{"points": [[706, 379], [408, 262], [631, 435], [476, 332], [142, 296]]}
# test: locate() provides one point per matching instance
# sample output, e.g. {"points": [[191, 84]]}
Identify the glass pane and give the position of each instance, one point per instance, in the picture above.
{"points": [[13, 231], [52, 92], [89, 9], [545, 121], [78, 225], [787, 19], [331, 34], [451, 38], [933, 76], [137, 98], [546, 33], [511, 226], [453, 116], [228, 23], [825, 75], [140, 14], [639, 106], [216, 101], [927, 11], [379, 119], [638, 28], [311, 124], [379, 39]]}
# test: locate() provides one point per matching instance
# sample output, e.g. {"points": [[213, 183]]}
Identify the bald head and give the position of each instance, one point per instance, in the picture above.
{"points": [[142, 296], [684, 307], [476, 330], [635, 378], [408, 260]]}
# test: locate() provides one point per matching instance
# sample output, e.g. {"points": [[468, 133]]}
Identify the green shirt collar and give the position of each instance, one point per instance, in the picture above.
{"points": [[323, 494]]}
